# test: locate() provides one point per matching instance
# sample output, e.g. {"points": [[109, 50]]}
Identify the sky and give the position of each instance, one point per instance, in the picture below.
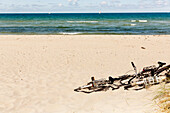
{"points": [[84, 6]]}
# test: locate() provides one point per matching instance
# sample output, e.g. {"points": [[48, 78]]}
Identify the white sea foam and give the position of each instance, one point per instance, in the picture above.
{"points": [[133, 20], [82, 21], [133, 24], [143, 21], [139, 20]]}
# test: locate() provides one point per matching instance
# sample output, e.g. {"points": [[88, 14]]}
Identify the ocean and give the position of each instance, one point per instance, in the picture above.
{"points": [[85, 23]]}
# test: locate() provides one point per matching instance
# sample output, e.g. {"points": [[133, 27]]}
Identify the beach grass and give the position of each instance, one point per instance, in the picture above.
{"points": [[162, 99]]}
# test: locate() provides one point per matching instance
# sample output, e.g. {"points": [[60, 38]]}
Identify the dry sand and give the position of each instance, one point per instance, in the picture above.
{"points": [[39, 73]]}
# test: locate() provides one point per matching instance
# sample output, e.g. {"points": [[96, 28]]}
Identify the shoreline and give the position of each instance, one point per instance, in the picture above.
{"points": [[86, 35]]}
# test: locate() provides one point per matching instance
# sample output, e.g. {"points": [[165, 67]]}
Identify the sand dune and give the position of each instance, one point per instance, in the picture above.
{"points": [[39, 73]]}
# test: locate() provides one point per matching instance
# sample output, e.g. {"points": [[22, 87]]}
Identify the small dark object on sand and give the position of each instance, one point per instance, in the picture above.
{"points": [[143, 48]]}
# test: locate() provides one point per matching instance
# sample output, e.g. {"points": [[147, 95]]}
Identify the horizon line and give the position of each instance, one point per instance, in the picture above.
{"points": [[98, 12]]}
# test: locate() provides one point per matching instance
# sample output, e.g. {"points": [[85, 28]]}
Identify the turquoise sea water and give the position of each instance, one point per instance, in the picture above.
{"points": [[85, 23]]}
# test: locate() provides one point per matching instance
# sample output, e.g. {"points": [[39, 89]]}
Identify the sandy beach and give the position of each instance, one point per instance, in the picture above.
{"points": [[38, 73]]}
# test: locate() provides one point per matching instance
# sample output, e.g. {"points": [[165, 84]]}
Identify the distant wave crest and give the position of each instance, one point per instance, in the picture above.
{"points": [[143, 20], [133, 24], [139, 20], [133, 20]]}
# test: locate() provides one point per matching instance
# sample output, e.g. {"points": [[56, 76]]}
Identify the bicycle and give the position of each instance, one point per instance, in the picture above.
{"points": [[149, 76]]}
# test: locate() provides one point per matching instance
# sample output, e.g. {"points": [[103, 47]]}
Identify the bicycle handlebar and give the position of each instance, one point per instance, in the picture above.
{"points": [[133, 65], [134, 68]]}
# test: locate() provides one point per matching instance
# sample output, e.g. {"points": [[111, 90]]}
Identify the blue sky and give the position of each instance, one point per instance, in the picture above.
{"points": [[84, 5]]}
